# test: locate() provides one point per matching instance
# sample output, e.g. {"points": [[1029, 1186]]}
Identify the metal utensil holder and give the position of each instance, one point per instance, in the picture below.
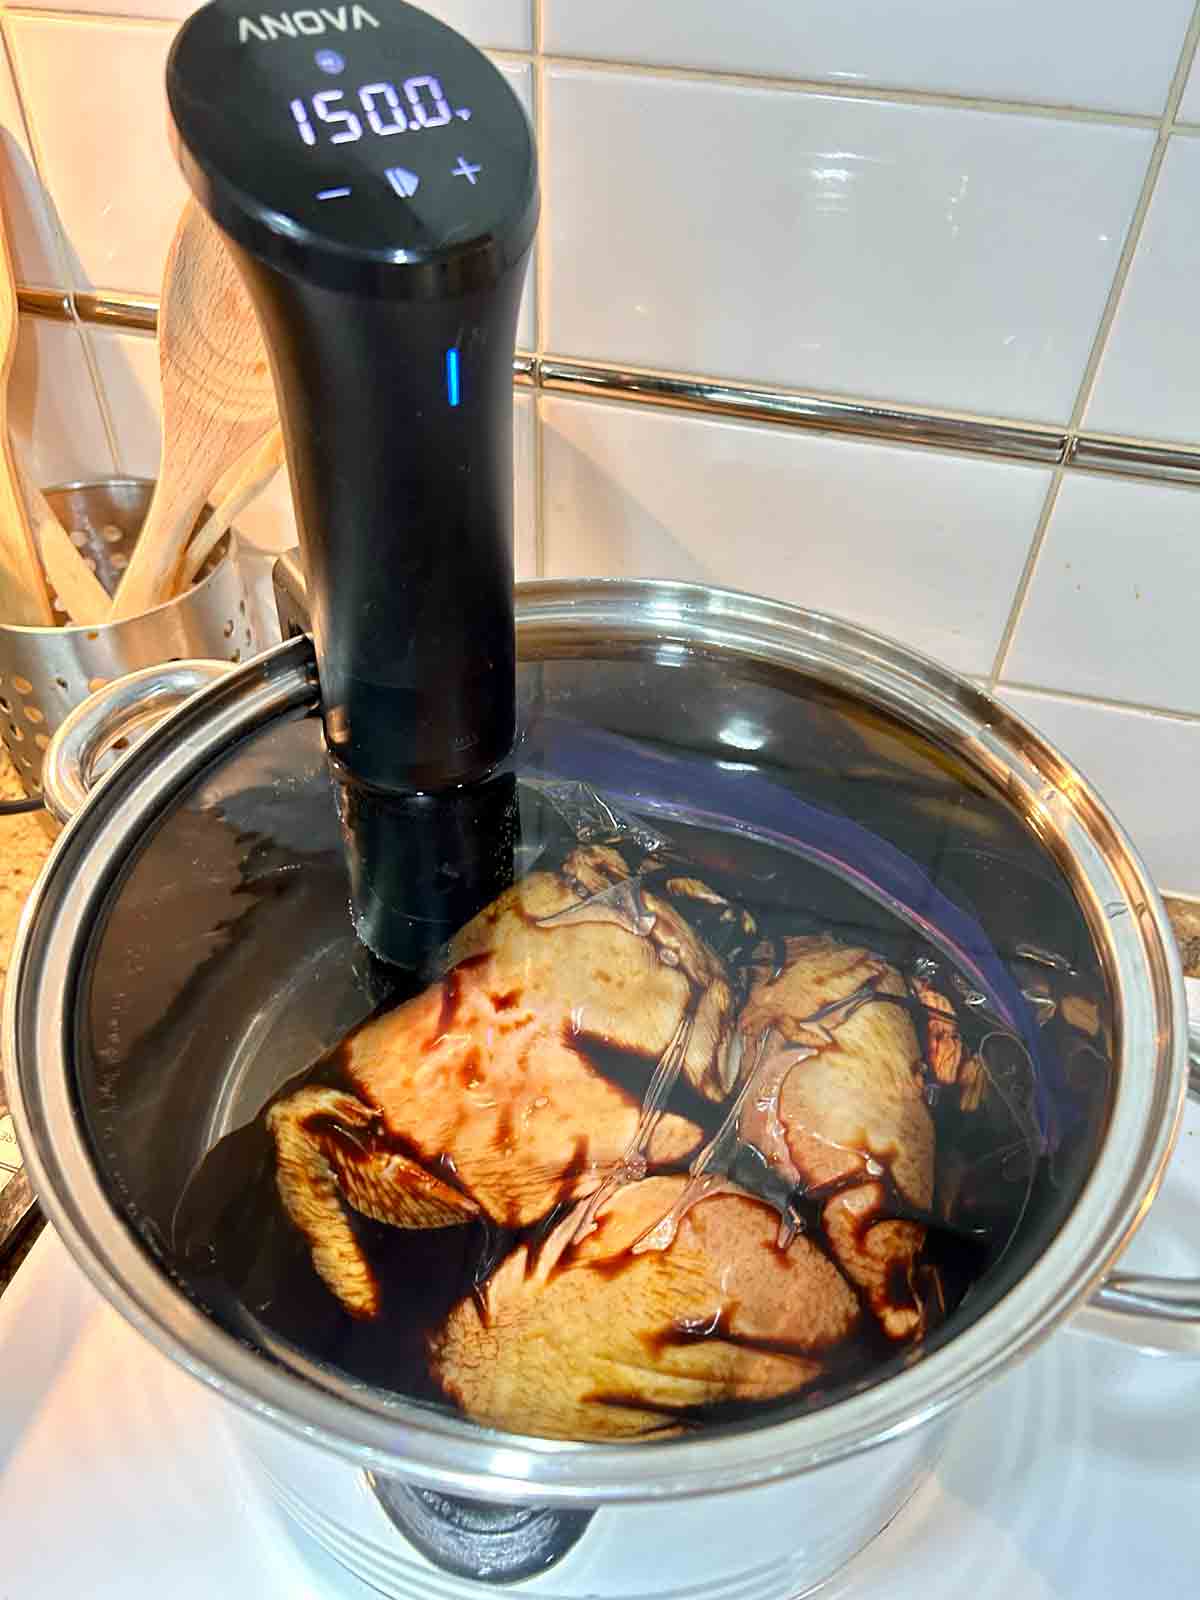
{"points": [[46, 672]]}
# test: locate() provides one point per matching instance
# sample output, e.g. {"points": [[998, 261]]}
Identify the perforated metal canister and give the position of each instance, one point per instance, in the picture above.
{"points": [[46, 672]]}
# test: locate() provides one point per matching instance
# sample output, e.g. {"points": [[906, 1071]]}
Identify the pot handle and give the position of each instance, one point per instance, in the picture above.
{"points": [[1159, 1316], [111, 721]]}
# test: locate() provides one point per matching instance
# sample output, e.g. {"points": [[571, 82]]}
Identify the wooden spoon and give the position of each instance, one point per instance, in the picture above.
{"points": [[84, 597], [247, 486], [23, 596], [218, 401]]}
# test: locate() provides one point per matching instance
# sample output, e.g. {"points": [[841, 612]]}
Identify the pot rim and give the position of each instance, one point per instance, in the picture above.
{"points": [[1119, 902]]}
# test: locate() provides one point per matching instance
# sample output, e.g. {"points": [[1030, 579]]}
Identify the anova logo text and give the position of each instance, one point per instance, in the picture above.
{"points": [[290, 24]]}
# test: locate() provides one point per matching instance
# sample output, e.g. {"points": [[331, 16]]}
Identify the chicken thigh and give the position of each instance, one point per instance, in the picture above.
{"points": [[515, 1082]]}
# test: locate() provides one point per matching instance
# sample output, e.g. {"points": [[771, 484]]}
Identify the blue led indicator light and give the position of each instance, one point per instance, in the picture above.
{"points": [[329, 61], [453, 384]]}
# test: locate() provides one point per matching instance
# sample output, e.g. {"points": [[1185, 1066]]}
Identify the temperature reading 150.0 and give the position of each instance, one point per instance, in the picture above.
{"points": [[423, 106]]}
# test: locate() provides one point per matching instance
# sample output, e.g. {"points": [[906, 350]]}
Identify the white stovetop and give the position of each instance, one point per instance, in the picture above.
{"points": [[1075, 1475]]}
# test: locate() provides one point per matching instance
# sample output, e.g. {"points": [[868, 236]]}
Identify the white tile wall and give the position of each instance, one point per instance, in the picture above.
{"points": [[107, 162], [53, 408], [525, 496], [928, 546], [878, 200], [1189, 109], [32, 237], [520, 76], [1112, 607], [151, 10], [1147, 383], [270, 524], [1072, 52], [956, 258], [128, 368], [1144, 768], [117, 232], [501, 24]]}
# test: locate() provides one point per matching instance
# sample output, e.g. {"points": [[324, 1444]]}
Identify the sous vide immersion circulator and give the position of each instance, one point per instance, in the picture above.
{"points": [[375, 177]]}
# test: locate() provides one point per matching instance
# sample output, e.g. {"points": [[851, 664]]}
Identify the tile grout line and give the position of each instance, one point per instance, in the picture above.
{"points": [[1183, 67], [1101, 702], [1099, 343], [875, 93], [137, 20], [1023, 582], [11, 58], [99, 19], [825, 88], [101, 391], [537, 26], [539, 486], [1137, 221]]}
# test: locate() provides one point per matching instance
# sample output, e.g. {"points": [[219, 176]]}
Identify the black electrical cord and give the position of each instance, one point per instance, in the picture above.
{"points": [[16, 808]]}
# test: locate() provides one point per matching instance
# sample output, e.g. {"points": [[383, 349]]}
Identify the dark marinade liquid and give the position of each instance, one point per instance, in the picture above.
{"points": [[242, 1258]]}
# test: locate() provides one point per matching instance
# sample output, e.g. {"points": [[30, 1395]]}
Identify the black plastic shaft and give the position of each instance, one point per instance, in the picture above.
{"points": [[404, 506], [375, 177]]}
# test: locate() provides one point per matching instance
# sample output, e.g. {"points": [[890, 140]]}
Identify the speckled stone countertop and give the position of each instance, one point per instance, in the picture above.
{"points": [[1185, 919], [24, 843]]}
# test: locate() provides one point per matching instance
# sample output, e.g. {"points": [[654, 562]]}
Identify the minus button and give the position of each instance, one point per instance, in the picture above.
{"points": [[333, 194]]}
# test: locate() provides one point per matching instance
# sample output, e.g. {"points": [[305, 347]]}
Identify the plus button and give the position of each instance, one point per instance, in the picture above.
{"points": [[464, 169]]}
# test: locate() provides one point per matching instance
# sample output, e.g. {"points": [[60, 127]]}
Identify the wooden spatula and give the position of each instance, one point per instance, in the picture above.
{"points": [[217, 398], [84, 597], [23, 596], [247, 486]]}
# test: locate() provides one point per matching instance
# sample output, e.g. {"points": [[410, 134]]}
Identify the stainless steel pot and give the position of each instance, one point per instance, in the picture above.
{"points": [[46, 672], [798, 1497]]}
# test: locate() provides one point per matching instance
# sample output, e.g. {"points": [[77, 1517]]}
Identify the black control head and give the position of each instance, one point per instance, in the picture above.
{"points": [[336, 143], [374, 175]]}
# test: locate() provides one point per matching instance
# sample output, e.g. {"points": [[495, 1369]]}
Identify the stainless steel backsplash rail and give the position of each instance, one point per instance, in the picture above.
{"points": [[882, 422]]}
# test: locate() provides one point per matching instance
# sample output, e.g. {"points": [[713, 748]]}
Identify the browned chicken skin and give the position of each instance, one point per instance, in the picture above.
{"points": [[594, 1340], [484, 1080], [851, 1116], [536, 1076]]}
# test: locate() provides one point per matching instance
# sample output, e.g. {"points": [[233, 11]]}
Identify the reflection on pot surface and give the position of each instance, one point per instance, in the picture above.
{"points": [[695, 1121]]}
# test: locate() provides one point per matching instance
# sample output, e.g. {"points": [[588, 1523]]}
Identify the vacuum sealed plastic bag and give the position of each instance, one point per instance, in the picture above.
{"points": [[726, 1104]]}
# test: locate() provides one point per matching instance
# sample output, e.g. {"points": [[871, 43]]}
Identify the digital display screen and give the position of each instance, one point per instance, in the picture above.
{"points": [[379, 108], [371, 126]]}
